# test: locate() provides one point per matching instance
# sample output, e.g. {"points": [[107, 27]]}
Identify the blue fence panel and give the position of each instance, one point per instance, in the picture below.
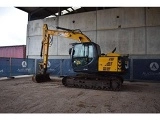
{"points": [[146, 69], [31, 66], [126, 75], [53, 66], [21, 66], [67, 68], [4, 67]]}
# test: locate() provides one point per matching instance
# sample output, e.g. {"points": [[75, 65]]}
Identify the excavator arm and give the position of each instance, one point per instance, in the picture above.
{"points": [[76, 35]]}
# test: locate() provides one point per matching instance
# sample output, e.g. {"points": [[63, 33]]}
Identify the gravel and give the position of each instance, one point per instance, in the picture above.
{"points": [[21, 95]]}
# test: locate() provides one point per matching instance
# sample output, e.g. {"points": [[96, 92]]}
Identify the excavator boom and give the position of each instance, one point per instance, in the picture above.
{"points": [[67, 33]]}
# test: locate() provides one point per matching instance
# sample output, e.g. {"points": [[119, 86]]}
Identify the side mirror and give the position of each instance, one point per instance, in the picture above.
{"points": [[71, 51]]}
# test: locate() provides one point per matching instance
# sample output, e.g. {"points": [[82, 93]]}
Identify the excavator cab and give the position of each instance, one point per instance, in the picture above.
{"points": [[84, 57]]}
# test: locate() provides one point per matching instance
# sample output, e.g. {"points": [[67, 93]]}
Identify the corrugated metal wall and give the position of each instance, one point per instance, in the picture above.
{"points": [[13, 51]]}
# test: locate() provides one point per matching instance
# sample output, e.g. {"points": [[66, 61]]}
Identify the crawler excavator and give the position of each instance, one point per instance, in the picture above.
{"points": [[94, 69]]}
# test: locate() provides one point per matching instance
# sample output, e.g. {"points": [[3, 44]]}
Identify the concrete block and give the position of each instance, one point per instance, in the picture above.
{"points": [[120, 18], [33, 45], [126, 41], [138, 45], [92, 35], [125, 38], [51, 22], [108, 19], [34, 28], [132, 17], [83, 21], [123, 28], [152, 16], [53, 49], [107, 40], [153, 40], [131, 41], [64, 45]]}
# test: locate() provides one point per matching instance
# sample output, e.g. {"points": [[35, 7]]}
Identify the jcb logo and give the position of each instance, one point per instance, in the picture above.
{"points": [[109, 64], [111, 59], [154, 66]]}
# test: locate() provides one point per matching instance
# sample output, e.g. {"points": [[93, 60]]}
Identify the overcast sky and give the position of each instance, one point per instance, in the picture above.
{"points": [[13, 26]]}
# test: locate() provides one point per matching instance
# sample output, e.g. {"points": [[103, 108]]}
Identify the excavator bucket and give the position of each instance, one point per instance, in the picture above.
{"points": [[38, 78]]}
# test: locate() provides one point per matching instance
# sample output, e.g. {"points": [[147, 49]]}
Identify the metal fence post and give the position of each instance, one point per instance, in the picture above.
{"points": [[61, 62], [35, 66], [10, 65], [10, 69], [131, 70]]}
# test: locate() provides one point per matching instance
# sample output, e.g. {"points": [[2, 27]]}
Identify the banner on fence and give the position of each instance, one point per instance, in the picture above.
{"points": [[16, 66], [53, 66], [4, 67], [146, 69], [67, 68], [22, 66], [140, 69]]}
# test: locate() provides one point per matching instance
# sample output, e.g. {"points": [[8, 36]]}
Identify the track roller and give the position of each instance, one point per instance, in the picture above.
{"points": [[111, 83], [38, 78]]}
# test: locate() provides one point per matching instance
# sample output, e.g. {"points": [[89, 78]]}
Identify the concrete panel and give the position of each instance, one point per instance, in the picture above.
{"points": [[153, 40], [33, 45], [92, 35], [83, 21], [153, 16], [64, 45], [108, 19], [50, 57], [131, 41], [53, 50], [139, 41], [51, 22], [118, 27], [127, 41], [132, 17], [107, 40], [120, 18], [34, 28]]}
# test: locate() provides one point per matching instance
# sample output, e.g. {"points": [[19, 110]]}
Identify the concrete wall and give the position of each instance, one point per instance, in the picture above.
{"points": [[134, 31]]}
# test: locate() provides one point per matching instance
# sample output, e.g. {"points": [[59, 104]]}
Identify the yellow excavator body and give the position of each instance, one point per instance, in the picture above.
{"points": [[87, 59]]}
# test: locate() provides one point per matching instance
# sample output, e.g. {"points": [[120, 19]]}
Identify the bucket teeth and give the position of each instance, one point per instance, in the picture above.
{"points": [[38, 78]]}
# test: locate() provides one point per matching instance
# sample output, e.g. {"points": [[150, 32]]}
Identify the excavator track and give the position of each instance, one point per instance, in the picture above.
{"points": [[109, 83]]}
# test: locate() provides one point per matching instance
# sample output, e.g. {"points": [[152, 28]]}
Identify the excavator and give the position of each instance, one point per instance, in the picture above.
{"points": [[95, 70]]}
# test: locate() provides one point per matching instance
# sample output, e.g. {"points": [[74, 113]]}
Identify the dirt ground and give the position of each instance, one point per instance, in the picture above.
{"points": [[21, 95]]}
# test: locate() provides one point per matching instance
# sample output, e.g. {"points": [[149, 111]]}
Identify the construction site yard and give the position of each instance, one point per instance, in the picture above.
{"points": [[22, 95]]}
